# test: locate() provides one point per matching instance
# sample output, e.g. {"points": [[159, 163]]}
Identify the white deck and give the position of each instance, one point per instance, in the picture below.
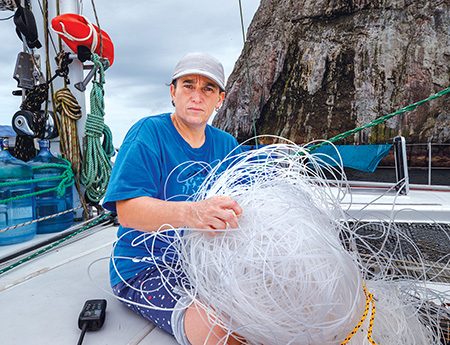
{"points": [[41, 300], [418, 206]]}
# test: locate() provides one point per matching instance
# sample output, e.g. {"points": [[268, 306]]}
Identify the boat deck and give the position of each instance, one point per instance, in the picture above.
{"points": [[41, 299], [420, 205]]}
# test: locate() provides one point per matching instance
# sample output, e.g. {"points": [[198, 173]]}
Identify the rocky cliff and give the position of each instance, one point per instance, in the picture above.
{"points": [[315, 68]]}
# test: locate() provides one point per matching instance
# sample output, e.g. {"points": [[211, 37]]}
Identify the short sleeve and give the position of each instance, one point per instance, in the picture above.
{"points": [[136, 173]]}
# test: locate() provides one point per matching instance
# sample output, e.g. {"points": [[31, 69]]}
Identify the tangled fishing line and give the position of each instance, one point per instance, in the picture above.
{"points": [[297, 270]]}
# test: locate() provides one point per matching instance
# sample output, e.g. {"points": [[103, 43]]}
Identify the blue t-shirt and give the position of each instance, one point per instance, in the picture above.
{"points": [[154, 160]]}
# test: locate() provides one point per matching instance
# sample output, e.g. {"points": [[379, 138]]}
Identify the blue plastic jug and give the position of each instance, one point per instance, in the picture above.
{"points": [[20, 210], [50, 203]]}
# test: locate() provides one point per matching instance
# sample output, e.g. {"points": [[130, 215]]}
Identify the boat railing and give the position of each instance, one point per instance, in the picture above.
{"points": [[429, 154], [403, 154], [401, 165]]}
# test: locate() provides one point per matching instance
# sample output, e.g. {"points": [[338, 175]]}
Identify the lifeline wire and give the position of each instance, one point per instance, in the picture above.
{"points": [[7, 18]]}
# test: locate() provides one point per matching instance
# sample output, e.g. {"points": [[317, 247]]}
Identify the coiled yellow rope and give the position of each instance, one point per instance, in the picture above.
{"points": [[70, 111]]}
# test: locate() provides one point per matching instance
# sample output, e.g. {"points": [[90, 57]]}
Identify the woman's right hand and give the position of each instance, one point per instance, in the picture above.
{"points": [[216, 213]]}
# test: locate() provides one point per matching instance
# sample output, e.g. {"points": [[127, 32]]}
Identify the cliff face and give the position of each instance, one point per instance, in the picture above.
{"points": [[315, 68]]}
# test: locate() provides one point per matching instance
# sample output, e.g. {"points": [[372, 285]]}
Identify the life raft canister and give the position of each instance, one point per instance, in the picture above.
{"points": [[75, 30]]}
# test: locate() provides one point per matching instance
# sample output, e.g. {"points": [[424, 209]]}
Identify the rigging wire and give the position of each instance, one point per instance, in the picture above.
{"points": [[242, 21], [255, 134], [7, 18], [45, 15], [48, 70], [99, 28]]}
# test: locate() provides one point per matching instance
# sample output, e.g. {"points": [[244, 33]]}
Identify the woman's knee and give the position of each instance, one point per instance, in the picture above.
{"points": [[202, 330]]}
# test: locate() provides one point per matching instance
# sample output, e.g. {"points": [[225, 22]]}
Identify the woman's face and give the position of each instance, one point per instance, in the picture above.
{"points": [[195, 98]]}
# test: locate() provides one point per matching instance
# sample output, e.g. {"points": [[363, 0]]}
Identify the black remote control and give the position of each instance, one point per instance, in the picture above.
{"points": [[92, 316]]}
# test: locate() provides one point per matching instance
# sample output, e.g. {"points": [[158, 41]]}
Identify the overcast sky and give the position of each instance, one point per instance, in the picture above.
{"points": [[150, 36]]}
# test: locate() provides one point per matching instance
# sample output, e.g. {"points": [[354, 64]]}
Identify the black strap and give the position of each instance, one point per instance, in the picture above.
{"points": [[26, 27]]}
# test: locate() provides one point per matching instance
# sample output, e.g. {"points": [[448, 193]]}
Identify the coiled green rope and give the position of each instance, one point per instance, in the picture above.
{"points": [[96, 168]]}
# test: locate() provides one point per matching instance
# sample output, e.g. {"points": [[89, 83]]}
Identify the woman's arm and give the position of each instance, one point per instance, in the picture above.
{"points": [[149, 214]]}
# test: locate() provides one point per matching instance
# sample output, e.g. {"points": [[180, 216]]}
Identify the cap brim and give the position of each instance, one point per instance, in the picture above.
{"points": [[202, 73]]}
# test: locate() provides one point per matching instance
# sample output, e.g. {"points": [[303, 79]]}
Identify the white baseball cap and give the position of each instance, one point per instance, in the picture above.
{"points": [[202, 64]]}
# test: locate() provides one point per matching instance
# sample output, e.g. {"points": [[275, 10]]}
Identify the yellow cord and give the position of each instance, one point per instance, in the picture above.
{"points": [[369, 301]]}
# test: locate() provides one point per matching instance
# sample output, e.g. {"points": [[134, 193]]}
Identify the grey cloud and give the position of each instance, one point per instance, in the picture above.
{"points": [[149, 38]]}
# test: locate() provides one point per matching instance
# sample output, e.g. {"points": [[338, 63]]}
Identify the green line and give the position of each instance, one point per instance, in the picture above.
{"points": [[66, 177], [53, 245], [381, 119]]}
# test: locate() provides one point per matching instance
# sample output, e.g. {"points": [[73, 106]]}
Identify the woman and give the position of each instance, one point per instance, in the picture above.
{"points": [[161, 163]]}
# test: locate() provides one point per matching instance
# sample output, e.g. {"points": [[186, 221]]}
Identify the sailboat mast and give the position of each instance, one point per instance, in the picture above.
{"points": [[44, 11], [75, 68]]}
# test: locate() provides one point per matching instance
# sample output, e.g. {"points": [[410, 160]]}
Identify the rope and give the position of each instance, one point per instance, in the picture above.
{"points": [[66, 181], [7, 18], [54, 244], [44, 12], [12, 227], [67, 106], [96, 168], [99, 29], [70, 111], [241, 15], [369, 301], [48, 70], [382, 119]]}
